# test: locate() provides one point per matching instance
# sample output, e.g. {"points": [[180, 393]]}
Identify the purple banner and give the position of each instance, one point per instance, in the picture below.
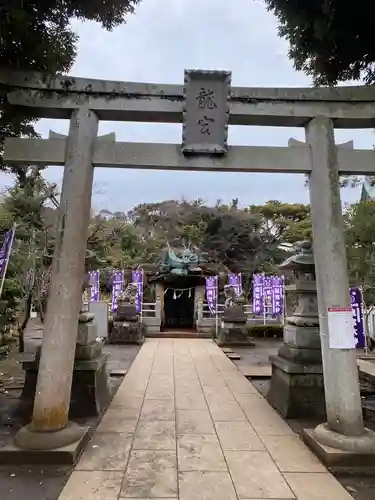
{"points": [[137, 278], [94, 285], [258, 294], [278, 295], [117, 285], [358, 322], [235, 281], [268, 293], [5, 251], [212, 293]]}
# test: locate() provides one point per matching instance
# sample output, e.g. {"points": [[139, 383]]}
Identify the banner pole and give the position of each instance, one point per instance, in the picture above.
{"points": [[284, 301], [364, 319], [141, 295], [264, 306], [264, 299], [217, 309]]}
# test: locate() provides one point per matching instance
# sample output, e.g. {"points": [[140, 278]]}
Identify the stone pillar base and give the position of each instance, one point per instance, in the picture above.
{"points": [[46, 448], [297, 390], [28, 438], [90, 395], [344, 451]]}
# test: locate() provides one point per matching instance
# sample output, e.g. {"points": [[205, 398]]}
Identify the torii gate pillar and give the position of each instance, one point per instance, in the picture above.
{"points": [[344, 429], [50, 427]]}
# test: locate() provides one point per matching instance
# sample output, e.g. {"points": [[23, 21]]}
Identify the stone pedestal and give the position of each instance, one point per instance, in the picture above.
{"points": [[233, 329], [297, 386], [90, 395], [126, 332], [127, 327], [90, 391], [297, 390]]}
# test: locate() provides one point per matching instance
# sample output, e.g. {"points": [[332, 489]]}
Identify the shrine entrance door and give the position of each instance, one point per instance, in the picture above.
{"points": [[179, 309]]}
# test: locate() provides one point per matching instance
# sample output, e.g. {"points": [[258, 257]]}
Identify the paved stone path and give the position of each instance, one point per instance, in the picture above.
{"points": [[187, 425]]}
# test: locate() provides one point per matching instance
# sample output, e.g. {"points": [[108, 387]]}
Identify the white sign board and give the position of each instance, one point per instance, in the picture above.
{"points": [[340, 328], [100, 311]]}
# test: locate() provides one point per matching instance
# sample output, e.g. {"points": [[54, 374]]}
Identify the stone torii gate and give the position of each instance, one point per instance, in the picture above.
{"points": [[206, 105]]}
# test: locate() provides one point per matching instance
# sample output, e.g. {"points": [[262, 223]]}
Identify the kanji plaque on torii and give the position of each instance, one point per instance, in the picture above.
{"points": [[206, 112]]}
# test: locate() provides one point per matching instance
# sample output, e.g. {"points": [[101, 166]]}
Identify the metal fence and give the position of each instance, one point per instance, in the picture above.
{"points": [[266, 319], [148, 308], [148, 311]]}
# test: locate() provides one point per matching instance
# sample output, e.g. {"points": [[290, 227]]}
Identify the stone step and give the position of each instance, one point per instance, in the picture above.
{"points": [[227, 350], [117, 373], [179, 335], [256, 371], [233, 356]]}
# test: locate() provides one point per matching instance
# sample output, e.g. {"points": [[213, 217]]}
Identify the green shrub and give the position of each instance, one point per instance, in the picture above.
{"points": [[4, 351], [266, 331], [8, 316]]}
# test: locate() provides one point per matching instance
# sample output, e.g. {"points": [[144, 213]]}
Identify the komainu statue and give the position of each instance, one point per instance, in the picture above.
{"points": [[129, 295], [234, 308], [233, 328], [127, 326]]}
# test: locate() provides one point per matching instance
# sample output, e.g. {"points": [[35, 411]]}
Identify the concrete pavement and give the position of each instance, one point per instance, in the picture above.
{"points": [[186, 425]]}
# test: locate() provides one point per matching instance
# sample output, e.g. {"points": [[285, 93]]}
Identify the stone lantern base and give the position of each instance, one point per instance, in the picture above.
{"points": [[90, 395], [297, 386], [297, 390]]}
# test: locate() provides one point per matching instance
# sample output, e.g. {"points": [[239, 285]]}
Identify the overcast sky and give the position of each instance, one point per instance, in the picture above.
{"points": [[162, 39]]}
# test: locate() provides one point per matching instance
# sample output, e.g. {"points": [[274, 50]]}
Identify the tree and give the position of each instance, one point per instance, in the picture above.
{"points": [[331, 40], [24, 205], [360, 239], [233, 238], [241, 240], [287, 222], [360, 243], [36, 35]]}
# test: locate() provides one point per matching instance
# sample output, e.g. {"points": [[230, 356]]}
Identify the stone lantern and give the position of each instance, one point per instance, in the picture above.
{"points": [[297, 388]]}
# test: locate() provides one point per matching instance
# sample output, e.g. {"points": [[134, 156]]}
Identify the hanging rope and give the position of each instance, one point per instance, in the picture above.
{"points": [[178, 292]]}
